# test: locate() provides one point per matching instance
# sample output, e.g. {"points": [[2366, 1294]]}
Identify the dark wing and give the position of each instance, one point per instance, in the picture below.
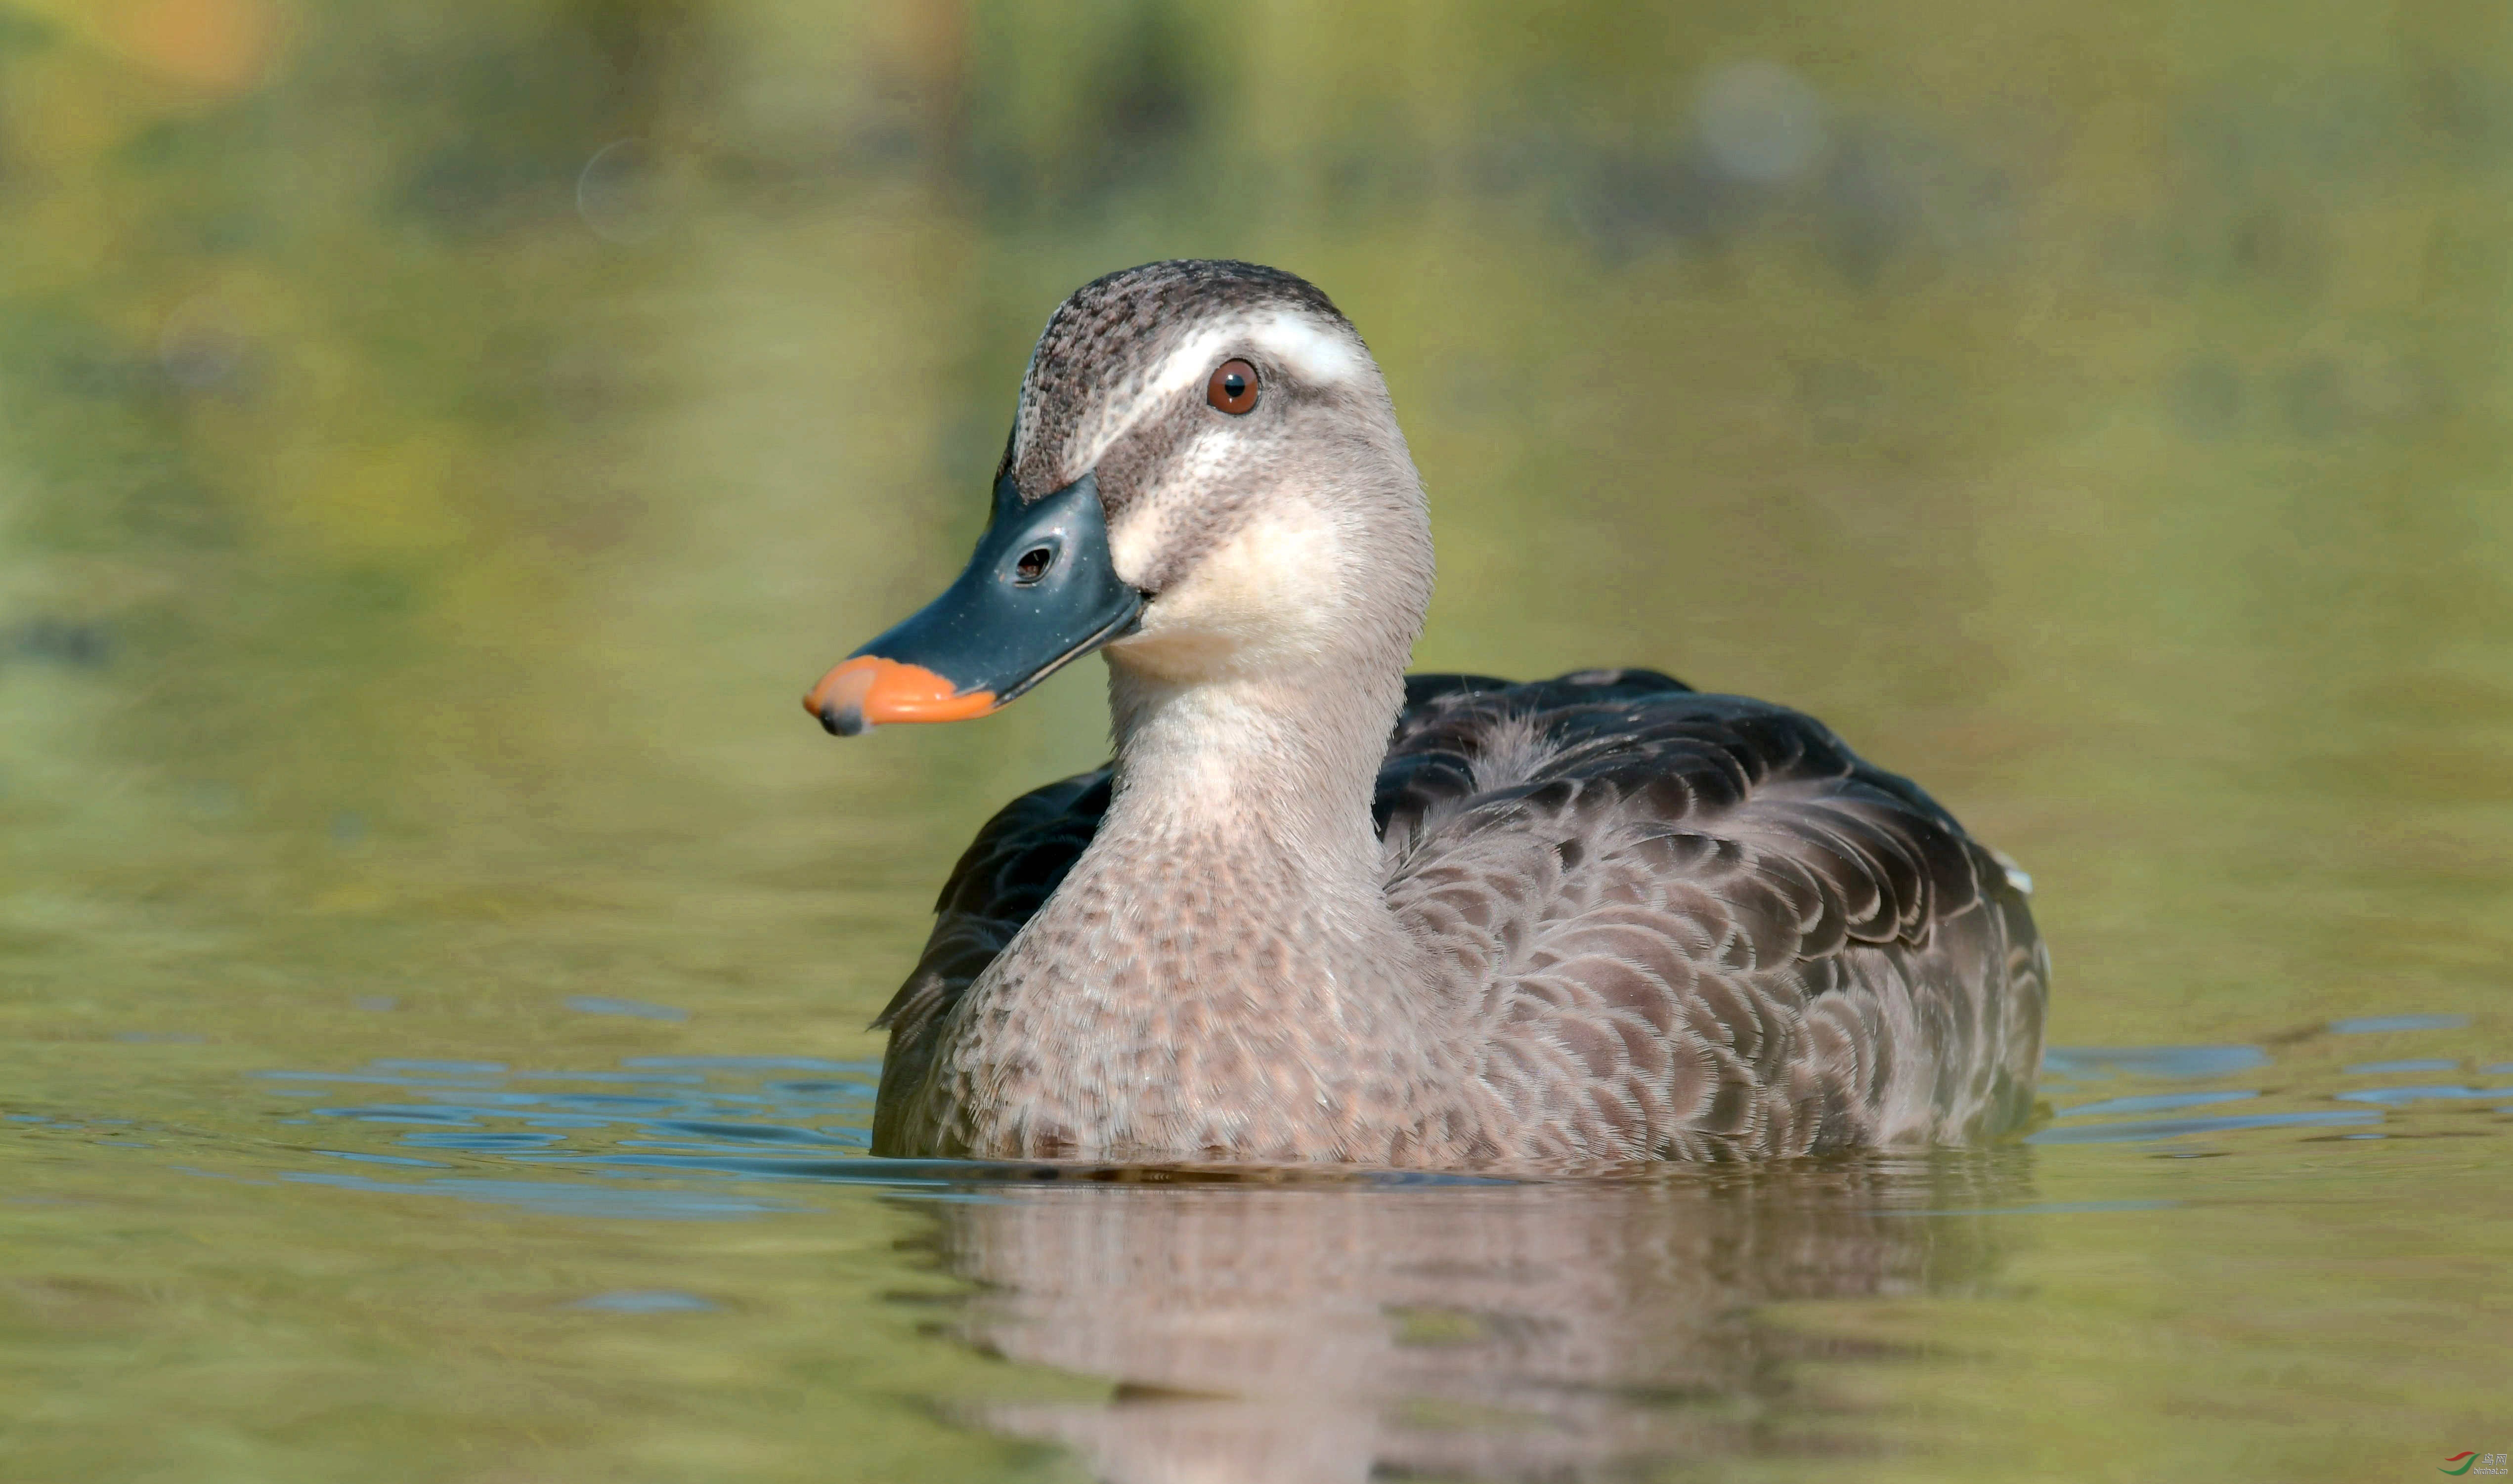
{"points": [[1445, 729], [1699, 926]]}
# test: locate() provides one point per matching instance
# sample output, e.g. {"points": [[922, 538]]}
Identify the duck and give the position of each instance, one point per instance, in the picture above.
{"points": [[1319, 911]]}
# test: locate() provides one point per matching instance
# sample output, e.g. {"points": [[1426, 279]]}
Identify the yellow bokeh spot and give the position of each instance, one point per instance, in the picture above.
{"points": [[375, 499], [225, 46]]}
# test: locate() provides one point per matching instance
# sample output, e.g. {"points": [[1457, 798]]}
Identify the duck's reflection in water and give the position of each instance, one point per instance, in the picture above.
{"points": [[1563, 1330]]}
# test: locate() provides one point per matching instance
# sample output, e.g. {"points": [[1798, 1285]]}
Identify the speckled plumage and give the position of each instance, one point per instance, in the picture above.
{"points": [[1665, 924], [1602, 918]]}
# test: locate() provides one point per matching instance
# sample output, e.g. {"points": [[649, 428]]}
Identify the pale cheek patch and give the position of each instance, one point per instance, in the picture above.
{"points": [[1273, 592], [1134, 543]]}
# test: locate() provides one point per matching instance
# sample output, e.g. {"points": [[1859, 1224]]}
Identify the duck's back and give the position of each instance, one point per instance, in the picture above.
{"points": [[1698, 926], [1678, 925]]}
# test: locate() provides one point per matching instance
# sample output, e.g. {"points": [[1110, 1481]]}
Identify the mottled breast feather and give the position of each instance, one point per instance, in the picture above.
{"points": [[1677, 925]]}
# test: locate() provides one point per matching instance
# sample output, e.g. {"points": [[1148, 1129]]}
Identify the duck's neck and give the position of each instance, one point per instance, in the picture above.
{"points": [[1240, 842], [1273, 773]]}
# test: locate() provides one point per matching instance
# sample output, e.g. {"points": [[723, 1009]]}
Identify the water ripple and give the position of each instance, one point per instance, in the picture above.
{"points": [[562, 1198], [2138, 1132], [627, 1133], [2419, 1094], [2096, 1062], [2377, 1025], [2156, 1102]]}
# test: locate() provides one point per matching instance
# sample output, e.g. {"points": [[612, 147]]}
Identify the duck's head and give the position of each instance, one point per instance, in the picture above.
{"points": [[1204, 475]]}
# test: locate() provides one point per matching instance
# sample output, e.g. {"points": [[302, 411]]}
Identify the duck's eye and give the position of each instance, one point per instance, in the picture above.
{"points": [[1033, 565], [1233, 388]]}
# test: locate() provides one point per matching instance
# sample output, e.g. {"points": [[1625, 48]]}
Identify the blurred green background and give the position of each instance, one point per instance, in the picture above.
{"points": [[439, 443], [441, 440]]}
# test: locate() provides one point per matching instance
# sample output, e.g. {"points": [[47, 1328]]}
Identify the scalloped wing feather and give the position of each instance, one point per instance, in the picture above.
{"points": [[1701, 927]]}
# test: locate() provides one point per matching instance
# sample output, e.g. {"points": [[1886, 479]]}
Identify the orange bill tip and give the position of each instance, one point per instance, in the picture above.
{"points": [[869, 690]]}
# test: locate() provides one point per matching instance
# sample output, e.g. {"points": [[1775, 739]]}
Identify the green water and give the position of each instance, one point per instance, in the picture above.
{"points": [[434, 947]]}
